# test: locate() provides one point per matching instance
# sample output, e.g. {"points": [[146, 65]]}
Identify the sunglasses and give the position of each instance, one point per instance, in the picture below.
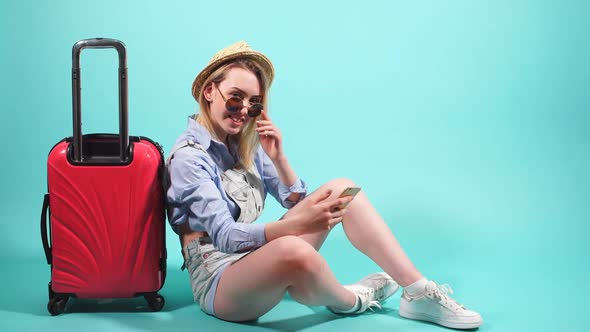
{"points": [[235, 104]]}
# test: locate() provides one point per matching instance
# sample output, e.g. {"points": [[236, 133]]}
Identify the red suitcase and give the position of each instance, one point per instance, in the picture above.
{"points": [[106, 202]]}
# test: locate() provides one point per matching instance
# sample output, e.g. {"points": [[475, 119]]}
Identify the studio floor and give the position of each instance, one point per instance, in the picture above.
{"points": [[511, 295]]}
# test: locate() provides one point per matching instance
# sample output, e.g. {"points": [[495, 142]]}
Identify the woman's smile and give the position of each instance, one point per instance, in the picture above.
{"points": [[236, 120]]}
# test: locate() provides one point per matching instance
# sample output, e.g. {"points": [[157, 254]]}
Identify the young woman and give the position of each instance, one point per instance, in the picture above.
{"points": [[220, 171]]}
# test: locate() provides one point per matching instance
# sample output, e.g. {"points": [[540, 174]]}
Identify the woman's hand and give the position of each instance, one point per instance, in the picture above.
{"points": [[314, 214], [317, 214], [270, 137]]}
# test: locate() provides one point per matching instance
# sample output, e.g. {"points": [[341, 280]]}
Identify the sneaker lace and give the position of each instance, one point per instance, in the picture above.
{"points": [[442, 293], [372, 293]]}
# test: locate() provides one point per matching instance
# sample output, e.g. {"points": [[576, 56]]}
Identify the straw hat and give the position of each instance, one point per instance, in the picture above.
{"points": [[237, 50]]}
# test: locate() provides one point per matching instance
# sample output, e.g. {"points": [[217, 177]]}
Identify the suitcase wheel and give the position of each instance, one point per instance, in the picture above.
{"points": [[155, 301], [57, 305]]}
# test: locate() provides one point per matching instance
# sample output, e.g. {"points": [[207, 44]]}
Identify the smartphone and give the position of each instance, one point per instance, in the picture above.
{"points": [[350, 191]]}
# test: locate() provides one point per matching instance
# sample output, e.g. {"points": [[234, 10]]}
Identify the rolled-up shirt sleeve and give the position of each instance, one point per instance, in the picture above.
{"points": [[276, 188], [194, 195]]}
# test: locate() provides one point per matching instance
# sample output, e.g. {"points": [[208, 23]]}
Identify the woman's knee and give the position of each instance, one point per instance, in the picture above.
{"points": [[295, 255]]}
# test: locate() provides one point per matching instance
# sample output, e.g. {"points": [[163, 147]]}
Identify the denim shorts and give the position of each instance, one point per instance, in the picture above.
{"points": [[205, 265]]}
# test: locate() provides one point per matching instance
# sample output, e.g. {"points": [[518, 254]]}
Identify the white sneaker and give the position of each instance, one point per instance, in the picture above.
{"points": [[370, 290], [436, 306]]}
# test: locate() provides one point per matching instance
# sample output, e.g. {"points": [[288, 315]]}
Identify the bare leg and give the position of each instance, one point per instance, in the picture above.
{"points": [[255, 284], [367, 231]]}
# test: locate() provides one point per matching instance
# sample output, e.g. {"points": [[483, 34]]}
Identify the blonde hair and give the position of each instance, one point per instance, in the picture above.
{"points": [[247, 138]]}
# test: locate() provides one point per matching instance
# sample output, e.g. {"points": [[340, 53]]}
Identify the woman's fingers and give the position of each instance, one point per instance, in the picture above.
{"points": [[269, 133], [339, 203], [324, 195], [272, 132], [334, 221], [339, 213], [265, 128], [334, 217], [263, 122]]}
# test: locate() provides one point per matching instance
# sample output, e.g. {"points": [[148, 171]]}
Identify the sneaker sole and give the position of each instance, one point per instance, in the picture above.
{"points": [[428, 318]]}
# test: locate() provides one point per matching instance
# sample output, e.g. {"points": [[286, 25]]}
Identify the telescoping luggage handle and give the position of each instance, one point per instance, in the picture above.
{"points": [[76, 94]]}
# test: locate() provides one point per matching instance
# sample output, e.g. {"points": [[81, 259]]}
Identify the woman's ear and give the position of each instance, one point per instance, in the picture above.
{"points": [[208, 92]]}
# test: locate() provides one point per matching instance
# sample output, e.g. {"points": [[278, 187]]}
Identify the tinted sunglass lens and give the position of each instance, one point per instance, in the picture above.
{"points": [[234, 105], [255, 110]]}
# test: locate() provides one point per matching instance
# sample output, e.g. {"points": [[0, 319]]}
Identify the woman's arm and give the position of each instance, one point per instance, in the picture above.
{"points": [[271, 142], [194, 198], [287, 176]]}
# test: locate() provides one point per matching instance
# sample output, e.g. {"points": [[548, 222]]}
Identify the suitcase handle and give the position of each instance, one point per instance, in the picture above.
{"points": [[77, 96], [44, 229]]}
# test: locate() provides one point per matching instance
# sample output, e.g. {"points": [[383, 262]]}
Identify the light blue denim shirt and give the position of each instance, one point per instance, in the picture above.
{"points": [[196, 193]]}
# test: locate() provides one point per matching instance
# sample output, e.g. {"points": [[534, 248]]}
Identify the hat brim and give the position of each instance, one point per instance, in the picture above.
{"points": [[259, 58]]}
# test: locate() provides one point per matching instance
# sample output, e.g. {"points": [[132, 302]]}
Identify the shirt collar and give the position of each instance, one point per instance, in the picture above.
{"points": [[203, 137]]}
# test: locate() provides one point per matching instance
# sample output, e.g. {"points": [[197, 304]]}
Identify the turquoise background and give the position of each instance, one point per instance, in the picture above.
{"points": [[465, 122]]}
